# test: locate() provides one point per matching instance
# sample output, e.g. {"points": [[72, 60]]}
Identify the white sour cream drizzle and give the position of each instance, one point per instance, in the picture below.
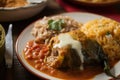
{"points": [[66, 39]]}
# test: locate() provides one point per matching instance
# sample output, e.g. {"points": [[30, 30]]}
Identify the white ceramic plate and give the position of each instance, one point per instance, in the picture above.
{"points": [[26, 36]]}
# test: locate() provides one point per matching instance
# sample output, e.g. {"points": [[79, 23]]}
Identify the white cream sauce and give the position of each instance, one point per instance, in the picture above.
{"points": [[66, 39]]}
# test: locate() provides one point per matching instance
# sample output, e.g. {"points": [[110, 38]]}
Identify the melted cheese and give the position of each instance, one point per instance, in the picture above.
{"points": [[66, 39]]}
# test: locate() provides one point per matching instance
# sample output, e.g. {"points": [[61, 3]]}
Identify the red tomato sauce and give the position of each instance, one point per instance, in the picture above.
{"points": [[34, 54]]}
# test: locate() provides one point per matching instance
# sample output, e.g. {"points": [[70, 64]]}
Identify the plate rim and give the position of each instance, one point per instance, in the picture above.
{"points": [[93, 4]]}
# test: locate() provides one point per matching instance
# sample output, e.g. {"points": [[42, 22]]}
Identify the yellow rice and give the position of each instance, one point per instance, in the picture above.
{"points": [[107, 32]]}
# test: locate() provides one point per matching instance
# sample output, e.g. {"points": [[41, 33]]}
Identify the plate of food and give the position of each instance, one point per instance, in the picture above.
{"points": [[71, 46], [95, 2], [15, 10]]}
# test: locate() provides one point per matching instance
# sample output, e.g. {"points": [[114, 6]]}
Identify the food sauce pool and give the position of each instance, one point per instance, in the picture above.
{"points": [[88, 73]]}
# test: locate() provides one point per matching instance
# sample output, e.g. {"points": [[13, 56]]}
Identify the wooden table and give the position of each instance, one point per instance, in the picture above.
{"points": [[18, 72]]}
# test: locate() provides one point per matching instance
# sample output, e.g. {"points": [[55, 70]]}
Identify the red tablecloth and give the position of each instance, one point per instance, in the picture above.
{"points": [[112, 12]]}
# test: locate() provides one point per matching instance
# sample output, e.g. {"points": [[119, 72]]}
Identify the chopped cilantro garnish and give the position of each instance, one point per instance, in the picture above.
{"points": [[56, 24]]}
